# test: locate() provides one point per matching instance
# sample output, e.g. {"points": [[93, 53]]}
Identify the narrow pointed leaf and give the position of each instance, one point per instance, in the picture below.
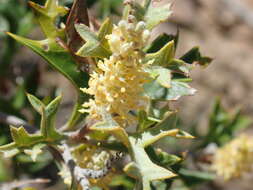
{"points": [[59, 59], [161, 41], [194, 55], [36, 103], [23, 139], [115, 130], [161, 75], [95, 46], [35, 151], [178, 89], [156, 15], [47, 15], [9, 150], [147, 170], [163, 56]]}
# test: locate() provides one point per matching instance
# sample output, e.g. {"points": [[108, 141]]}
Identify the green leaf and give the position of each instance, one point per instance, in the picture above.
{"points": [[36, 103], [156, 15], [157, 92], [49, 131], [9, 150], [162, 75], [122, 180], [191, 177], [18, 101], [117, 131], [223, 125], [47, 15], [143, 168], [163, 129], [168, 159], [194, 55], [58, 58], [47, 126], [52, 107], [143, 121], [163, 56], [35, 151], [161, 41], [177, 65], [152, 15], [96, 45], [23, 139]]}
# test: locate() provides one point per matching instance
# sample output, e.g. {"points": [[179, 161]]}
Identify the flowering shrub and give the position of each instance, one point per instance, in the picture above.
{"points": [[124, 82]]}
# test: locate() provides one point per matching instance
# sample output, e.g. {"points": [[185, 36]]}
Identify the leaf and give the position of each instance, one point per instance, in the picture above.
{"points": [[18, 101], [9, 150], [50, 131], [109, 125], [36, 103], [132, 170], [223, 125], [194, 55], [163, 56], [35, 151], [143, 121], [161, 41], [22, 139], [150, 14], [47, 126], [96, 45], [167, 159], [58, 58], [162, 75], [143, 168], [191, 177], [177, 65], [47, 15], [122, 180], [118, 132], [163, 129], [157, 92], [157, 15]]}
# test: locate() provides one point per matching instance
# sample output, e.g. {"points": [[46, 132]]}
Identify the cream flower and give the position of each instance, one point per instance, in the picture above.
{"points": [[235, 158], [117, 82]]}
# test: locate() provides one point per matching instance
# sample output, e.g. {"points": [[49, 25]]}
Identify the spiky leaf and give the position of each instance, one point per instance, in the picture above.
{"points": [[95, 45], [157, 92]]}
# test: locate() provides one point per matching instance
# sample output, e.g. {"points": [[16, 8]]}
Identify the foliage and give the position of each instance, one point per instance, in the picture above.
{"points": [[85, 145]]}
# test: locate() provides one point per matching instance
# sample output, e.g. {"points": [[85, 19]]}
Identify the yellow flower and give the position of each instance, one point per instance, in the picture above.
{"points": [[235, 158], [91, 157], [117, 82]]}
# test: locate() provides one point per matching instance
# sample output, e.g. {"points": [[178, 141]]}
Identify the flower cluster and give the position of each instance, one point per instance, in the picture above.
{"points": [[117, 82], [91, 157], [235, 158]]}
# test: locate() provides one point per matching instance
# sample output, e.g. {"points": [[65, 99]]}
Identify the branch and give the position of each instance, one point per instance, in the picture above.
{"points": [[16, 122], [82, 174]]}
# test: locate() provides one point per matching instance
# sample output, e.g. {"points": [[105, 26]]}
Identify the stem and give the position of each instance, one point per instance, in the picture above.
{"points": [[76, 116]]}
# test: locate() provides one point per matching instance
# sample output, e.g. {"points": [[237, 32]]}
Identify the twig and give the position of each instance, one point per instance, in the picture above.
{"points": [[240, 10], [16, 184], [82, 174], [16, 122]]}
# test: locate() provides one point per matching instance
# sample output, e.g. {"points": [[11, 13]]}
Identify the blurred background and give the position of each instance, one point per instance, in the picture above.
{"points": [[223, 29]]}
